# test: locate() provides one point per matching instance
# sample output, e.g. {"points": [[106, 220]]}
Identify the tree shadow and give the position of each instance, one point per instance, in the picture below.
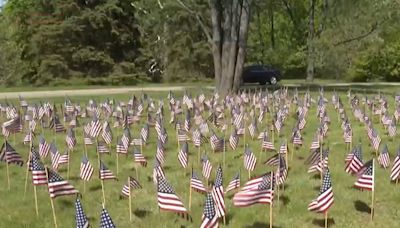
{"points": [[260, 225], [228, 218], [66, 203], [95, 188], [362, 207], [317, 188], [316, 176], [300, 157], [74, 178], [285, 200], [141, 213], [149, 178], [321, 222]]}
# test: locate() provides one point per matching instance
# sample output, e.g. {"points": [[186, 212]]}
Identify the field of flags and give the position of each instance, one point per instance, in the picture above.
{"points": [[255, 159]]}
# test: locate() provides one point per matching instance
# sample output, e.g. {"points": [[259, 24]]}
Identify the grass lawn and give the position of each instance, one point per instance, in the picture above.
{"points": [[351, 207]]}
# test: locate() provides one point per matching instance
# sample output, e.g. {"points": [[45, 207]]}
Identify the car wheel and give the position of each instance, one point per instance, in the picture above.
{"points": [[263, 83], [273, 81]]}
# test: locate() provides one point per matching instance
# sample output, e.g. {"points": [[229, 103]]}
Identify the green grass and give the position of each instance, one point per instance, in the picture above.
{"points": [[289, 211]]}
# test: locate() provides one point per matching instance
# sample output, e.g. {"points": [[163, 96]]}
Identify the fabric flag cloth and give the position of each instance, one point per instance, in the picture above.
{"points": [[131, 184], [209, 218], [167, 198], [58, 186], [263, 193], [106, 133], [86, 170], [234, 183], [139, 158], [44, 147], [250, 160], [395, 171], [105, 219], [105, 173], [207, 167], [355, 162], [9, 155], [55, 156], [37, 168], [183, 155], [365, 178], [383, 158], [218, 193], [196, 184], [325, 198], [80, 217]]}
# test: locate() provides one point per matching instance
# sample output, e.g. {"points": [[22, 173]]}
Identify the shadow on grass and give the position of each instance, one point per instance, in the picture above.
{"points": [[321, 222], [300, 157], [362, 207], [316, 176], [228, 218], [285, 200], [66, 203], [74, 178], [95, 188], [260, 225], [141, 213]]}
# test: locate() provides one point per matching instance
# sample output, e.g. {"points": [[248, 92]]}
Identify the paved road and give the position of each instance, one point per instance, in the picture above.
{"points": [[121, 90], [88, 92]]}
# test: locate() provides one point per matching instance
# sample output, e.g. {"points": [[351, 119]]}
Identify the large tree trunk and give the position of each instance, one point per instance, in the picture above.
{"points": [[243, 30], [310, 44], [216, 40]]}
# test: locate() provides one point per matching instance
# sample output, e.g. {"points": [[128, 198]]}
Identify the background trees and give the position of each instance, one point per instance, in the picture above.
{"points": [[126, 41]]}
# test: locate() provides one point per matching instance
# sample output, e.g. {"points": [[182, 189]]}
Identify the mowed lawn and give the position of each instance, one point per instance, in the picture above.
{"points": [[350, 209]]}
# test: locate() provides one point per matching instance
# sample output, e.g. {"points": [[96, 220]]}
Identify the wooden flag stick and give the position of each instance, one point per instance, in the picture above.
{"points": [[51, 202], [198, 152], [326, 219], [117, 161], [103, 192], [137, 172], [68, 165], [36, 201], [190, 194], [27, 172], [373, 190], [84, 186], [8, 177], [270, 215], [130, 200], [249, 174], [291, 157]]}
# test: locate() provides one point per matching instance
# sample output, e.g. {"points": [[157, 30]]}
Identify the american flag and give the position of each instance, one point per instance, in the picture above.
{"points": [[121, 148], [283, 149], [86, 170], [234, 183], [167, 199], [64, 158], [392, 130], [95, 127], [105, 219], [383, 158], [38, 171], [106, 133], [274, 160], [207, 167], [139, 158], [102, 147], [210, 217], [144, 132], [137, 142], [58, 186], [105, 173], [56, 124], [70, 138], [253, 129], [297, 139], [375, 140], [217, 144], [196, 183], [86, 139], [28, 137], [197, 138], [183, 155], [55, 156], [365, 178], [238, 120], [126, 138], [157, 171], [132, 183], [181, 135], [281, 172], [163, 136], [395, 172], [266, 143], [315, 143], [86, 129], [234, 140], [218, 194], [354, 161], [80, 217], [9, 155], [348, 134], [325, 198], [262, 193], [320, 163], [160, 152], [250, 159], [187, 121]]}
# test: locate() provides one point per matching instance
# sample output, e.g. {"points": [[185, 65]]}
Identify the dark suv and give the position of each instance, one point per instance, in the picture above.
{"points": [[261, 74]]}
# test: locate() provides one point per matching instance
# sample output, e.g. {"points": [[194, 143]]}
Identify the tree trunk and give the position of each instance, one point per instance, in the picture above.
{"points": [[233, 45], [227, 39], [216, 41], [271, 23], [310, 44], [241, 55]]}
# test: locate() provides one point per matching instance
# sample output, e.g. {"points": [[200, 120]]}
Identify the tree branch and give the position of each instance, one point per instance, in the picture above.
{"points": [[199, 20], [362, 36]]}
